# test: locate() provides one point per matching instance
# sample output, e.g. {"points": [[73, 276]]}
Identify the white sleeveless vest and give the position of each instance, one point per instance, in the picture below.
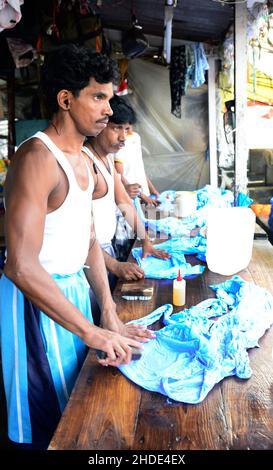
{"points": [[104, 208], [67, 229]]}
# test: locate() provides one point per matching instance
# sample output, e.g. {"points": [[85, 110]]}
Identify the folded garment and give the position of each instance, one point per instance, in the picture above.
{"points": [[194, 351]]}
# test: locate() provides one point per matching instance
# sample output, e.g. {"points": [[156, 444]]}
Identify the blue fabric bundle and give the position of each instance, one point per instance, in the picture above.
{"points": [[156, 268], [167, 269], [243, 200], [194, 351], [207, 197]]}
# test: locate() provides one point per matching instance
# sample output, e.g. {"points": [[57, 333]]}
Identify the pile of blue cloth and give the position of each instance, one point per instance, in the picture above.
{"points": [[180, 243], [180, 230], [201, 345], [207, 197], [156, 268]]}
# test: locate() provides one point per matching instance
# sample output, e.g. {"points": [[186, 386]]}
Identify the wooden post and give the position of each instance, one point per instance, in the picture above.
{"points": [[11, 112], [241, 148], [212, 122]]}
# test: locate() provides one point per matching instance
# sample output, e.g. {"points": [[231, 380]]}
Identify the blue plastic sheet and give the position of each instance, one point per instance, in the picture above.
{"points": [[156, 268], [195, 350]]}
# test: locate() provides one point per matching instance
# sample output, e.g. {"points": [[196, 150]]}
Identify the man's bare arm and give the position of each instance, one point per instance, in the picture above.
{"points": [[126, 206], [31, 179], [133, 189], [152, 188], [123, 270]]}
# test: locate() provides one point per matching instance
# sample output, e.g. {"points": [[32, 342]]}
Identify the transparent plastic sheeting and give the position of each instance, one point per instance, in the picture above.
{"points": [[173, 149], [193, 352]]}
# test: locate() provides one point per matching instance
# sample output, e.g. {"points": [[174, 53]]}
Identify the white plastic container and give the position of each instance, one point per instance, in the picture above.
{"points": [[185, 203], [179, 291], [230, 233]]}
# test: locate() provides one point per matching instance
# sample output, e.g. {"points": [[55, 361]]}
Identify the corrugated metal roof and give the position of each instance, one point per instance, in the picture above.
{"points": [[194, 20]]}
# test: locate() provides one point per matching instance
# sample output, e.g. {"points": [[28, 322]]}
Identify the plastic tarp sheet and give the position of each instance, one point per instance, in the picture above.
{"points": [[174, 150]]}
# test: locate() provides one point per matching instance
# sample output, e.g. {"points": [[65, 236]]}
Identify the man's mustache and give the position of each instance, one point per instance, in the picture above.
{"points": [[105, 121]]}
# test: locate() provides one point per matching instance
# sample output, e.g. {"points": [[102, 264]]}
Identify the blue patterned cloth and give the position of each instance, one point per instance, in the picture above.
{"points": [[179, 230], [201, 345], [156, 268], [201, 65]]}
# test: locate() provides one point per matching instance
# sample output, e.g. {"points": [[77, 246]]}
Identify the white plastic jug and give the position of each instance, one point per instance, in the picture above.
{"points": [[230, 233], [185, 203]]}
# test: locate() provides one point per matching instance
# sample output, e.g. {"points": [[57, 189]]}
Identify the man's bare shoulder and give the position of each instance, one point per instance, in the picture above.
{"points": [[33, 149], [33, 160]]}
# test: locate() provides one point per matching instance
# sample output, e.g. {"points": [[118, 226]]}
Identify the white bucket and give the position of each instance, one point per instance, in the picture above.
{"points": [[185, 203], [230, 233]]}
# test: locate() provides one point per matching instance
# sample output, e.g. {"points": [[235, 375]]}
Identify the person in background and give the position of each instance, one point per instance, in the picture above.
{"points": [[45, 315], [129, 164], [109, 193]]}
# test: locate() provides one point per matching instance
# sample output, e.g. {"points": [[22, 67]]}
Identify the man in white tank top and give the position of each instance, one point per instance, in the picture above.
{"points": [[109, 192], [45, 316], [129, 164]]}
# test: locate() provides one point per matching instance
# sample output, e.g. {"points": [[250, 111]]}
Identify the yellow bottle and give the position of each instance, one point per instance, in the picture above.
{"points": [[179, 291]]}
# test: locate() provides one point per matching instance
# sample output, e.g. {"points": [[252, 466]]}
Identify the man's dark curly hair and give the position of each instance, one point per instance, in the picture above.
{"points": [[71, 68], [123, 113]]}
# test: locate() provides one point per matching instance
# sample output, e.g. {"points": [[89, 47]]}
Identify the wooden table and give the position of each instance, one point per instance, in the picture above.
{"points": [[107, 411]]}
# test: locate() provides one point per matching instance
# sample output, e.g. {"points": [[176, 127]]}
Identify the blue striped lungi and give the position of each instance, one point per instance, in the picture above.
{"points": [[40, 359]]}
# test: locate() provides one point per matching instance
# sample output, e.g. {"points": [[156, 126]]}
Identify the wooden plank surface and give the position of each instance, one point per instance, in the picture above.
{"points": [[107, 411]]}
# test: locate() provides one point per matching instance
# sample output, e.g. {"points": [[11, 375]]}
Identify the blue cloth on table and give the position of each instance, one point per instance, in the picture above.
{"points": [[167, 195], [207, 197], [243, 200], [193, 351], [156, 268]]}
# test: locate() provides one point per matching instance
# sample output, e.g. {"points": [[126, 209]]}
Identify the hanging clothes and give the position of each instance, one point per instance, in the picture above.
{"points": [[201, 65], [180, 72], [22, 53], [10, 13]]}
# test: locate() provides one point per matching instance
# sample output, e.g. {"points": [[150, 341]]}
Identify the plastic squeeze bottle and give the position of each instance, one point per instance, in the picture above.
{"points": [[179, 291]]}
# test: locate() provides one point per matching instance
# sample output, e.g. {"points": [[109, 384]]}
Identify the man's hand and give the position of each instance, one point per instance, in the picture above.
{"points": [[149, 250], [116, 346], [149, 201], [194, 232], [155, 193], [111, 321], [138, 332], [129, 271], [133, 190]]}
